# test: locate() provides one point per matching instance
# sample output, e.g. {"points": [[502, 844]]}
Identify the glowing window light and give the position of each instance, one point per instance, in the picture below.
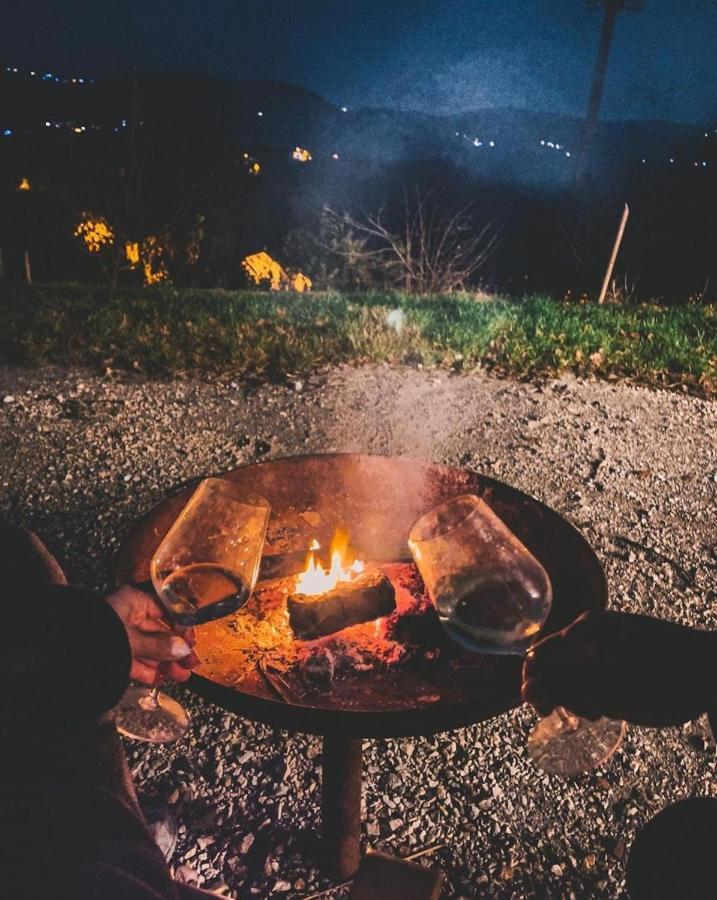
{"points": [[300, 154]]}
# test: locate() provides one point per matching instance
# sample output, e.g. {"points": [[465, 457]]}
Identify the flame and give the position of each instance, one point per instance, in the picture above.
{"points": [[315, 579]]}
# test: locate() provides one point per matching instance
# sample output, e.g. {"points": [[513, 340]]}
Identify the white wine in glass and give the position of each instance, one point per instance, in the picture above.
{"points": [[493, 596], [204, 569]]}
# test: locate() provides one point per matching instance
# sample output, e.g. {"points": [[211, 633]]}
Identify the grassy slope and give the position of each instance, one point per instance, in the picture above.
{"points": [[219, 331]]}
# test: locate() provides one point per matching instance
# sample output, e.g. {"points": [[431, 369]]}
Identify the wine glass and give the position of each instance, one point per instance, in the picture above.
{"points": [[493, 596], [205, 568]]}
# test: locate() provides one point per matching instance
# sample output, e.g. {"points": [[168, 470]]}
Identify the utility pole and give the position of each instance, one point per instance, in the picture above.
{"points": [[611, 10]]}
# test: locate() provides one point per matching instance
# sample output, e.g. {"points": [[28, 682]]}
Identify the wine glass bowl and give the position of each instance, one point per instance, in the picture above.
{"points": [[207, 565], [491, 594]]}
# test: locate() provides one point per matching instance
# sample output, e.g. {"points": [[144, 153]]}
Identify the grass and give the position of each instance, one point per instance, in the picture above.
{"points": [[170, 331]]}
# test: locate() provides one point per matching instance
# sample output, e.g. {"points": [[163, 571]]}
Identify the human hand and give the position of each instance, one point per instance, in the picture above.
{"points": [[152, 640], [623, 666]]}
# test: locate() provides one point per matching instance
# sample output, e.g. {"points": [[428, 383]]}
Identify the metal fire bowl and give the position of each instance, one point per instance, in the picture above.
{"points": [[378, 499]]}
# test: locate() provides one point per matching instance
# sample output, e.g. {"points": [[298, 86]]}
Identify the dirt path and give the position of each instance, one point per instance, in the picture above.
{"points": [[635, 470]]}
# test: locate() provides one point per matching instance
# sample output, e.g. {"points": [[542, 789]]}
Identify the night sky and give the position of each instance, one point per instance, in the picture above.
{"points": [[438, 56]]}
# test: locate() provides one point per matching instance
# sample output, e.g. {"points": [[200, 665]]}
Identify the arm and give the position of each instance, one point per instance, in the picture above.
{"points": [[644, 670], [68, 654]]}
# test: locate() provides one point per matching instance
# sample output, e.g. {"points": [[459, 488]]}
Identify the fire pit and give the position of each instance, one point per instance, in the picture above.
{"points": [[362, 654]]}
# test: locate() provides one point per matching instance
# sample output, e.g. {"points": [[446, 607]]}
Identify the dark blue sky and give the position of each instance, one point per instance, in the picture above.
{"points": [[439, 56]]}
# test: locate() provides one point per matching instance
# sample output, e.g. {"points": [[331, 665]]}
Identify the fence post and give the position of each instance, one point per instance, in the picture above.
{"points": [[613, 256]]}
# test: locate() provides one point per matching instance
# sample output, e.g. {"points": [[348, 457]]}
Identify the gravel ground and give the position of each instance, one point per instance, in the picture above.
{"points": [[81, 456]]}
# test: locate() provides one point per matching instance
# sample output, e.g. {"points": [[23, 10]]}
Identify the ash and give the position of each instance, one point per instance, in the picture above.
{"points": [[82, 456]]}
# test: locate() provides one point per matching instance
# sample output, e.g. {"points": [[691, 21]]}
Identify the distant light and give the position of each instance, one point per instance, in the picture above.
{"points": [[477, 143], [707, 134], [558, 147], [81, 80], [551, 144], [491, 143], [32, 73], [77, 130], [567, 153], [260, 114], [704, 162], [458, 134], [346, 109], [542, 143], [124, 123], [334, 156], [644, 161], [7, 132], [48, 124], [672, 159]]}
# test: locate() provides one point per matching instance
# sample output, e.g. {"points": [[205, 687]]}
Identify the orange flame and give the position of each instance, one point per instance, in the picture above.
{"points": [[315, 579]]}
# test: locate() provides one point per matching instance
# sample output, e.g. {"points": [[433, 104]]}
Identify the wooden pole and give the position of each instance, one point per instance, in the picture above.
{"points": [[613, 255], [28, 270]]}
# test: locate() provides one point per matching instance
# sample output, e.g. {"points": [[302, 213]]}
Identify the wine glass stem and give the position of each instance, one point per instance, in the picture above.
{"points": [[154, 696], [570, 721]]}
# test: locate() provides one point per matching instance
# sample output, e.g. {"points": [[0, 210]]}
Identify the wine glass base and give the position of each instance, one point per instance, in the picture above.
{"points": [[137, 717], [568, 745]]}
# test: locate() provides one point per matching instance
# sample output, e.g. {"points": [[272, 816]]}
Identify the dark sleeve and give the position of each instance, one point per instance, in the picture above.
{"points": [[65, 655]]}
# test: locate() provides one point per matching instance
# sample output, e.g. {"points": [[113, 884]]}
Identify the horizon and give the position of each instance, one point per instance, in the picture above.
{"points": [[92, 77]]}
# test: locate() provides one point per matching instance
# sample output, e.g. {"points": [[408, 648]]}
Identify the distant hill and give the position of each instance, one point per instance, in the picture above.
{"points": [[510, 144]]}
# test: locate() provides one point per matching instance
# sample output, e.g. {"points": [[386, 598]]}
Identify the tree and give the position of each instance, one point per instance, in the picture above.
{"points": [[423, 247], [611, 8]]}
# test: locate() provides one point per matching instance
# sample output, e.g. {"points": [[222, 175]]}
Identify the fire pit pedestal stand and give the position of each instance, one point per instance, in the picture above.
{"points": [[378, 499]]}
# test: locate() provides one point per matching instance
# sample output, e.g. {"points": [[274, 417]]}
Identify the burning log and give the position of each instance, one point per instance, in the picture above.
{"points": [[368, 596]]}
